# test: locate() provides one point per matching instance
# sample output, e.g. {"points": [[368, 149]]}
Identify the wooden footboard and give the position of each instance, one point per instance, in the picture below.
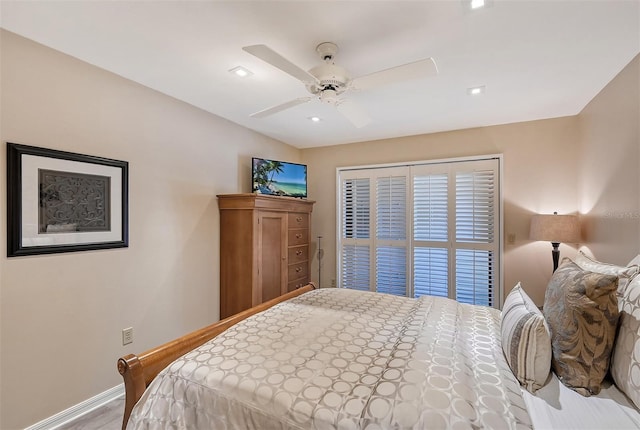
{"points": [[139, 370]]}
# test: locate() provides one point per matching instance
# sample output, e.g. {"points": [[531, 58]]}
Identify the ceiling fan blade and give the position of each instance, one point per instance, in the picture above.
{"points": [[270, 56], [280, 107], [353, 112], [418, 69]]}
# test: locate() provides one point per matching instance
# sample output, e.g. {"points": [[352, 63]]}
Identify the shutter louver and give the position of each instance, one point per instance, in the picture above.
{"points": [[475, 277], [474, 206], [391, 235], [355, 267], [430, 224], [430, 208], [391, 270], [391, 208], [356, 225], [431, 272], [355, 208]]}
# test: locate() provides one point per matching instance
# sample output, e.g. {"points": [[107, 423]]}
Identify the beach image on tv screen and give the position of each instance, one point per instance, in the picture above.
{"points": [[279, 178]]}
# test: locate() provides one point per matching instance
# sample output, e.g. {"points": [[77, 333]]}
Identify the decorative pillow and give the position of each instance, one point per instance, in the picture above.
{"points": [[581, 310], [525, 340], [624, 274], [625, 363]]}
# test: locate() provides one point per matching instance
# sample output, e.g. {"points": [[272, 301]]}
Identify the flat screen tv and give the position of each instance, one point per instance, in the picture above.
{"points": [[279, 178]]}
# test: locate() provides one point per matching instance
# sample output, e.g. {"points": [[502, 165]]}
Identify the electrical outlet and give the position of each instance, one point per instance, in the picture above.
{"points": [[127, 336], [333, 283]]}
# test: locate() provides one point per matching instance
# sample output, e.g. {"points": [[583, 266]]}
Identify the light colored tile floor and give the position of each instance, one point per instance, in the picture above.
{"points": [[107, 417]]}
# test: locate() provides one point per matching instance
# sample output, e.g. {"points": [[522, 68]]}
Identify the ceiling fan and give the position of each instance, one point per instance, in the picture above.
{"points": [[328, 81]]}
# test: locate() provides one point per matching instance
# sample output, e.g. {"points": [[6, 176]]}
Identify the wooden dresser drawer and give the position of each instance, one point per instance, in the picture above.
{"points": [[299, 270], [298, 283], [298, 220], [298, 237], [297, 254]]}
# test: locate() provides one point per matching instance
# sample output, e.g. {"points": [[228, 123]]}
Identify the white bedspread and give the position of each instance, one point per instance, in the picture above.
{"points": [[343, 359]]}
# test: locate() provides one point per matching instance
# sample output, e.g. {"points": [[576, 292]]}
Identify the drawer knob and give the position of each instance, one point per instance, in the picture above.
{"points": [[298, 252], [299, 219], [298, 235], [298, 269]]}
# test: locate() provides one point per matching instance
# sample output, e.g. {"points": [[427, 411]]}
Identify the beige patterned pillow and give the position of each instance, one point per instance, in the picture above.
{"points": [[581, 310], [624, 274], [525, 340], [625, 363]]}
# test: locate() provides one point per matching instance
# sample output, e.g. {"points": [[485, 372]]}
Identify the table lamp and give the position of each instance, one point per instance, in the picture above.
{"points": [[555, 229]]}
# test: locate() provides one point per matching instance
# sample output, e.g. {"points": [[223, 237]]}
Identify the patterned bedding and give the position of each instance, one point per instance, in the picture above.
{"points": [[343, 359]]}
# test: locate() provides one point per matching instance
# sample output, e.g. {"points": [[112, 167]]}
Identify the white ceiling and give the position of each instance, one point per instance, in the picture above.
{"points": [[537, 59]]}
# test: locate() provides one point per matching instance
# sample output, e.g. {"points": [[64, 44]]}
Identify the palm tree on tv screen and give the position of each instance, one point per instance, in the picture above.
{"points": [[265, 170], [273, 168]]}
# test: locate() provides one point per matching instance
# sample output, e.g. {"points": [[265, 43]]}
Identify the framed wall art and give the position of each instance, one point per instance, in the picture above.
{"points": [[61, 201]]}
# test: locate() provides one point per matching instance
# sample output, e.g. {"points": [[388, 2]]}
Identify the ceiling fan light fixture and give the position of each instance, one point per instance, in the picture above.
{"points": [[329, 96], [314, 119], [241, 72]]}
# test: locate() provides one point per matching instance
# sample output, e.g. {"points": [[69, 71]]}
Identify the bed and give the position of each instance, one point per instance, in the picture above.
{"points": [[346, 359]]}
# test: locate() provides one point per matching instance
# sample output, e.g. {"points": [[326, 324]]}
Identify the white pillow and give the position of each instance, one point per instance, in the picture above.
{"points": [[525, 340], [625, 361], [624, 274]]}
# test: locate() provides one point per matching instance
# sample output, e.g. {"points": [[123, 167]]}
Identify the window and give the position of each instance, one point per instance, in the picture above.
{"points": [[422, 229]]}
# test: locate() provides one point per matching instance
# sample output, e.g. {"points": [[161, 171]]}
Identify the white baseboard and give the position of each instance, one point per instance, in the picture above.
{"points": [[78, 410]]}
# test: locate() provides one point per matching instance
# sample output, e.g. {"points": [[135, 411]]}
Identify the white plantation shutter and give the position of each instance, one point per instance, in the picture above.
{"points": [[355, 203], [430, 272], [355, 267], [476, 201], [474, 277], [391, 234], [430, 207], [430, 233], [424, 229], [474, 206], [355, 233], [391, 270], [391, 208]]}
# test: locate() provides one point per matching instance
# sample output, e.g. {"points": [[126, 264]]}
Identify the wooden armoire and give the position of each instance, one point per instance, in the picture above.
{"points": [[264, 248]]}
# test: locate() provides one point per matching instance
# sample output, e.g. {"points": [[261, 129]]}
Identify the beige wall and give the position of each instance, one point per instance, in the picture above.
{"points": [[61, 315], [610, 168], [540, 175]]}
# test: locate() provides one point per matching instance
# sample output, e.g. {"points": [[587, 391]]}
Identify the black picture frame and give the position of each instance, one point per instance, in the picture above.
{"points": [[25, 201]]}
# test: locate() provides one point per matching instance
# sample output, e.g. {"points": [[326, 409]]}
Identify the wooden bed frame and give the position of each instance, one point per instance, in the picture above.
{"points": [[139, 370]]}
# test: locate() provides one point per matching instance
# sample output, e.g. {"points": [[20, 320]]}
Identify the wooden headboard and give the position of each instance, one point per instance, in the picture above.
{"points": [[139, 370]]}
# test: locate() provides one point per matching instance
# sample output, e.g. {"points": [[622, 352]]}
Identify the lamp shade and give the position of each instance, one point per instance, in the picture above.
{"points": [[555, 228]]}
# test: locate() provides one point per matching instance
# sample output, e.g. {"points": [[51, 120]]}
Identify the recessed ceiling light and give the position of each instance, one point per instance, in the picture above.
{"points": [[241, 72], [315, 119], [475, 5], [475, 91]]}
